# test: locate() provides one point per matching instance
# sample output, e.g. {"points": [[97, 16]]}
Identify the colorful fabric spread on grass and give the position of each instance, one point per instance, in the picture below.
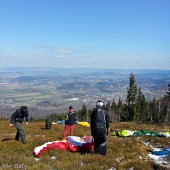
{"points": [[53, 123], [124, 133], [161, 156], [61, 122], [157, 153], [73, 144], [86, 124]]}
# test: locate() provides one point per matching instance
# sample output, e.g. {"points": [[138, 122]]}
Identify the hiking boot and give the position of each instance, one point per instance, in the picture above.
{"points": [[24, 142]]}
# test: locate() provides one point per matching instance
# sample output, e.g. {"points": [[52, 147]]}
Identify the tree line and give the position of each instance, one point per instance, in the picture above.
{"points": [[136, 107]]}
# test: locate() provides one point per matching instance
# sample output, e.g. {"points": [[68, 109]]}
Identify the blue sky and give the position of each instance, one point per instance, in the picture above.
{"points": [[124, 34]]}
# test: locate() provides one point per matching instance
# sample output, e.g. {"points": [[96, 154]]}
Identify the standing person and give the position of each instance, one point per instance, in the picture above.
{"points": [[99, 128], [16, 119], [69, 122]]}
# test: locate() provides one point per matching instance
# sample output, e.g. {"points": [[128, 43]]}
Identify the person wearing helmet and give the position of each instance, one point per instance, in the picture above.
{"points": [[99, 128], [17, 119]]}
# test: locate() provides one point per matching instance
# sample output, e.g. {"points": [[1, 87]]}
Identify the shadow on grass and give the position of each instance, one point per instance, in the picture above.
{"points": [[87, 152], [44, 129], [149, 150], [7, 139]]}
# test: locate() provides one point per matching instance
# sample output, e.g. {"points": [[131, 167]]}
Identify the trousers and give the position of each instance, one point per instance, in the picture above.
{"points": [[100, 143], [68, 127], [20, 132]]}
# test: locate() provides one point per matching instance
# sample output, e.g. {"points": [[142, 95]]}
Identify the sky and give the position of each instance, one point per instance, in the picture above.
{"points": [[113, 34]]}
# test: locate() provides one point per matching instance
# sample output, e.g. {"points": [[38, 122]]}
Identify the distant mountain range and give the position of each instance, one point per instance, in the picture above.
{"points": [[52, 90]]}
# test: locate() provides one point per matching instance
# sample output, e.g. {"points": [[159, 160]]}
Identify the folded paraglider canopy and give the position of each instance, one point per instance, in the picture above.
{"points": [[123, 133], [73, 144]]}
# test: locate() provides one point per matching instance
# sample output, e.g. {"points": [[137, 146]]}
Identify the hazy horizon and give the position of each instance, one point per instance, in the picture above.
{"points": [[45, 67]]}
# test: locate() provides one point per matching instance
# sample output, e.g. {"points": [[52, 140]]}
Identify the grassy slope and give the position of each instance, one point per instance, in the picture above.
{"points": [[123, 152]]}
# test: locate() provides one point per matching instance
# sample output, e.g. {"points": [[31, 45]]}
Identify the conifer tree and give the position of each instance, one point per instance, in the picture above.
{"points": [[119, 109], [83, 113], [138, 107], [163, 108], [168, 104], [141, 107], [107, 106], [153, 107], [113, 116], [132, 95], [110, 110]]}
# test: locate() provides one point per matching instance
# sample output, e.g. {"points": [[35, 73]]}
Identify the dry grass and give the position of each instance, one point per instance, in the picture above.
{"points": [[123, 152]]}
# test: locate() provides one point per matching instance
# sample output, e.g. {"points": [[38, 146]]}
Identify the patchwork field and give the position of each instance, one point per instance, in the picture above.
{"points": [[51, 90]]}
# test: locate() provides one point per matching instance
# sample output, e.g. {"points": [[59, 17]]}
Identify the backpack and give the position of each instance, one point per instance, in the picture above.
{"points": [[100, 121]]}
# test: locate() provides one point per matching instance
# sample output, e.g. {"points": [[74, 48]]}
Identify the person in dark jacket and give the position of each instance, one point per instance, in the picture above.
{"points": [[17, 119], [99, 128], [48, 121], [69, 122]]}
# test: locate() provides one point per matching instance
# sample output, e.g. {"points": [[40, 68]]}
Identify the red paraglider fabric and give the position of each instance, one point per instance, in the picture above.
{"points": [[73, 144]]}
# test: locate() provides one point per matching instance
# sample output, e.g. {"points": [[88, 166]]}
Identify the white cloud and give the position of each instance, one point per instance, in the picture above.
{"points": [[60, 56], [61, 50]]}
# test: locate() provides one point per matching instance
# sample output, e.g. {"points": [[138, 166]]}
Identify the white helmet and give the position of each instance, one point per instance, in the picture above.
{"points": [[99, 103]]}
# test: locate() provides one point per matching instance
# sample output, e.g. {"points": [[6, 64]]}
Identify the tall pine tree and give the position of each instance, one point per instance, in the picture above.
{"points": [[141, 107], [132, 96], [119, 109], [153, 107], [82, 115]]}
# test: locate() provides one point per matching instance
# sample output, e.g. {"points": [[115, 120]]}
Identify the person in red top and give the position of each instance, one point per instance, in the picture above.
{"points": [[69, 122]]}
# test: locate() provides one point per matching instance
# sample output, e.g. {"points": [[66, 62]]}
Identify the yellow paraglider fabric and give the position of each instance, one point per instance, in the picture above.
{"points": [[86, 124], [53, 123]]}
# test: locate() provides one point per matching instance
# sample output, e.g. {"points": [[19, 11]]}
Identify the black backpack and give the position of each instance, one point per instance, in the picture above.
{"points": [[100, 121]]}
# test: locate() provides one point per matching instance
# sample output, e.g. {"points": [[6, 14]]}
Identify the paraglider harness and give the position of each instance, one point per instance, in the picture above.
{"points": [[100, 121], [99, 131]]}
